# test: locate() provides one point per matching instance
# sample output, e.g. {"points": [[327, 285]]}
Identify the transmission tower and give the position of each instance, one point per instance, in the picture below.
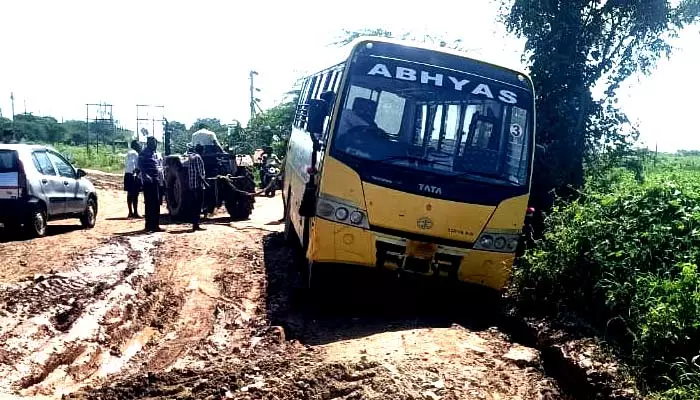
{"points": [[100, 114], [146, 117]]}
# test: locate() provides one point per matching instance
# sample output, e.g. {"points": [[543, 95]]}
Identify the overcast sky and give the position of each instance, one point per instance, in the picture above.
{"points": [[194, 57]]}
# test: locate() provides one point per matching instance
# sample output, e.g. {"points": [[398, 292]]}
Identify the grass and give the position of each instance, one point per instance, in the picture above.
{"points": [[104, 159], [625, 257]]}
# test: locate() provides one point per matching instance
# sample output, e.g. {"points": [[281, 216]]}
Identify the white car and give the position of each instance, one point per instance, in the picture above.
{"points": [[37, 184]]}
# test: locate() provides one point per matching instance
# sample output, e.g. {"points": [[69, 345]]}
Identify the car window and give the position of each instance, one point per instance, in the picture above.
{"points": [[8, 161], [42, 163], [64, 169]]}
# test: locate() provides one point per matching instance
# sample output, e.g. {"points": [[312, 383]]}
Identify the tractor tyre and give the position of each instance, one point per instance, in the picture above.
{"points": [[240, 205], [176, 192]]}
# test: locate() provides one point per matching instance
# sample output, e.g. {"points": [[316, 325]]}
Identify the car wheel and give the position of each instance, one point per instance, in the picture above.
{"points": [[89, 217], [36, 226]]}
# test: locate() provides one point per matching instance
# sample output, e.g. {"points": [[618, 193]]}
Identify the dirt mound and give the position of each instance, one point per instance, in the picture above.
{"points": [[106, 180]]}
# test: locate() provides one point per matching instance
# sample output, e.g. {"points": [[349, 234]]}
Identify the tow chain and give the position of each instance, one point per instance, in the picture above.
{"points": [[229, 178]]}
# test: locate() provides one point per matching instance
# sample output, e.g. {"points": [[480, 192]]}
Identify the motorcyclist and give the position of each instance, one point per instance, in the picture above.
{"points": [[267, 159]]}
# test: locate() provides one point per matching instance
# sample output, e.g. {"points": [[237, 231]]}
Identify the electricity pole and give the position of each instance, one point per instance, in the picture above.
{"points": [[253, 99], [12, 99]]}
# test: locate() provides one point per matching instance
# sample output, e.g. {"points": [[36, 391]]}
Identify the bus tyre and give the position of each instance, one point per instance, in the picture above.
{"points": [[290, 235], [318, 282]]}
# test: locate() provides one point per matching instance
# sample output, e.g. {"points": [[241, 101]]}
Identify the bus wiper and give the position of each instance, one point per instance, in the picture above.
{"points": [[483, 176], [414, 159]]}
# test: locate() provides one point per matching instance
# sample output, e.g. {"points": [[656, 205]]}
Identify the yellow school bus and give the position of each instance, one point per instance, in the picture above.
{"points": [[412, 159]]}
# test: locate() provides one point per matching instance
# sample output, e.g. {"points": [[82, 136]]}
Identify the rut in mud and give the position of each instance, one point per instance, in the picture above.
{"points": [[65, 328]]}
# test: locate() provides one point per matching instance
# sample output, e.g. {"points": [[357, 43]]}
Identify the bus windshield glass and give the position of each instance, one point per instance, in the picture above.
{"points": [[436, 120]]}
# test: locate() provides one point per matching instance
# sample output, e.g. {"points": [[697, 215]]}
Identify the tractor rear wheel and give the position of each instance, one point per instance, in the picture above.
{"points": [[240, 205], [176, 193]]}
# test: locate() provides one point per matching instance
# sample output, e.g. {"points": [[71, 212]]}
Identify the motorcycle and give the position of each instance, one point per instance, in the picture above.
{"points": [[271, 170]]}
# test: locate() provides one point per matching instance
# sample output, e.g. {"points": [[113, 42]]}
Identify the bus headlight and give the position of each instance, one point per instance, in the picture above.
{"points": [[356, 217], [512, 244], [325, 209], [341, 213], [486, 241], [338, 211], [497, 241]]}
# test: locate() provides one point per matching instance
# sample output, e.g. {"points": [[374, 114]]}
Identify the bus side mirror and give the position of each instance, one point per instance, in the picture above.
{"points": [[318, 110]]}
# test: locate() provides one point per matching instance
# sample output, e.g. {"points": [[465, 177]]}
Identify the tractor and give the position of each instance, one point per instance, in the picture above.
{"points": [[230, 184]]}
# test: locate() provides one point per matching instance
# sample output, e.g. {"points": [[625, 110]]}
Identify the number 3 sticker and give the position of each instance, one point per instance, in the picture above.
{"points": [[516, 130]]}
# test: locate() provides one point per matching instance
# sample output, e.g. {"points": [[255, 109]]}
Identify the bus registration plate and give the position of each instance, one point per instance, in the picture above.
{"points": [[421, 250]]}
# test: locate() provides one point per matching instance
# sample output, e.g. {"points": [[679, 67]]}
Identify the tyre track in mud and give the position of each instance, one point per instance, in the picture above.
{"points": [[62, 330], [222, 286]]}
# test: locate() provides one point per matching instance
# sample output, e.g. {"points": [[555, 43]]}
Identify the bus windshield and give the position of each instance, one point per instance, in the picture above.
{"points": [[435, 121]]}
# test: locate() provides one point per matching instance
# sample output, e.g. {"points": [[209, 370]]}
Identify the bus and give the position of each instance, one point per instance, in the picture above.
{"points": [[412, 159]]}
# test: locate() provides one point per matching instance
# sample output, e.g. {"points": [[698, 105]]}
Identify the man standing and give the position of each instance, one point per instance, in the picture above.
{"points": [[132, 184], [148, 166], [197, 182]]}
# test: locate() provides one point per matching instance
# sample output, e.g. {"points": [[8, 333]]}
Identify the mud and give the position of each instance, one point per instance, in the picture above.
{"points": [[58, 329], [117, 314]]}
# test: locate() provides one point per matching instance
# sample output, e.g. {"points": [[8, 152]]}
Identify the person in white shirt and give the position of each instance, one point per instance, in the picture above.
{"points": [[208, 140], [132, 185]]}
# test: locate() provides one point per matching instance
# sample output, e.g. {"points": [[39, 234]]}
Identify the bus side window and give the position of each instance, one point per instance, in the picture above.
{"points": [[308, 94], [300, 114]]}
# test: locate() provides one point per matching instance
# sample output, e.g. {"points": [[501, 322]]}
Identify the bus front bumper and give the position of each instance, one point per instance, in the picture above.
{"points": [[332, 242]]}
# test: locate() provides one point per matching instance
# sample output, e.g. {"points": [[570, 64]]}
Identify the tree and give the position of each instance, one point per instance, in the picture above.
{"points": [[179, 137], [573, 46], [5, 130], [348, 36], [273, 126], [32, 128], [76, 131], [212, 124]]}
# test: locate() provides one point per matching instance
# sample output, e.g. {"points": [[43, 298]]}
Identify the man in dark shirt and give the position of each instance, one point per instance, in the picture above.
{"points": [[148, 166], [197, 182]]}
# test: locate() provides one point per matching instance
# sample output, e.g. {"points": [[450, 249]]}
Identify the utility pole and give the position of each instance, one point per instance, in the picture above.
{"points": [[252, 94], [12, 99], [656, 153]]}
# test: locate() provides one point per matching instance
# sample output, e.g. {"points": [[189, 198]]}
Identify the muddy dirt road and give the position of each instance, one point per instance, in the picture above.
{"points": [[113, 313]]}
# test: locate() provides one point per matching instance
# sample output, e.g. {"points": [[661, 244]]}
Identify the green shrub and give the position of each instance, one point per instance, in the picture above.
{"points": [[624, 256]]}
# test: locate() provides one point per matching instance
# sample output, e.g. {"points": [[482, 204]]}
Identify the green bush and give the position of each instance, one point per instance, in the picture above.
{"points": [[625, 256]]}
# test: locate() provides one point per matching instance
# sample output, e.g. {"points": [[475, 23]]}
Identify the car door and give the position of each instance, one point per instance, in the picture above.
{"points": [[52, 185], [75, 197]]}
